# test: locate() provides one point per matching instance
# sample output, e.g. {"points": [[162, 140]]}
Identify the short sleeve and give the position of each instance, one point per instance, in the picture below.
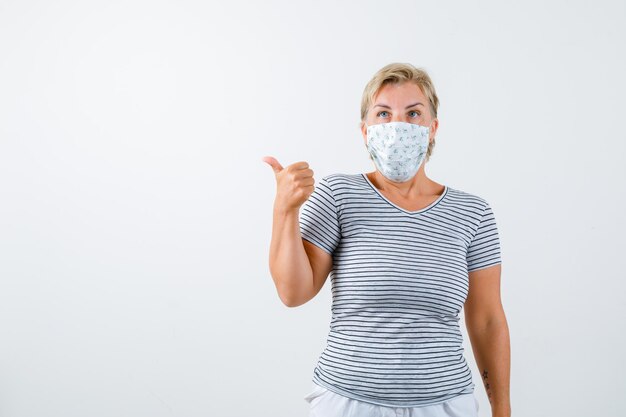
{"points": [[319, 222], [484, 249]]}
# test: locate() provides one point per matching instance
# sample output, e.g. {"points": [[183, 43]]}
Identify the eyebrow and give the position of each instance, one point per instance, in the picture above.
{"points": [[386, 106]]}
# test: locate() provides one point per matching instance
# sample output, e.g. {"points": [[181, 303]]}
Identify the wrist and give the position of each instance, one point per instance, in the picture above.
{"points": [[281, 210], [501, 413]]}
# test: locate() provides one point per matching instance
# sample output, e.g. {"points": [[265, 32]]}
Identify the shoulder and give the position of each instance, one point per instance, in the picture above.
{"points": [[466, 201], [339, 180]]}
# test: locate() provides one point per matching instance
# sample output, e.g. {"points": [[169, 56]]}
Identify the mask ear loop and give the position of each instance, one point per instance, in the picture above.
{"points": [[367, 141], [427, 141]]}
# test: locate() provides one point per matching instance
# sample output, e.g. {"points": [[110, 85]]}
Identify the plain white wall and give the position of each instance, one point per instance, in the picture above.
{"points": [[135, 210]]}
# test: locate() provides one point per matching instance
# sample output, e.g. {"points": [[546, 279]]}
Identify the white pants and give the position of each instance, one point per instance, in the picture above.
{"points": [[326, 403]]}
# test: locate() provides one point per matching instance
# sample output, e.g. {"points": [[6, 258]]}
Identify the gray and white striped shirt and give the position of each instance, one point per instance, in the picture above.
{"points": [[399, 281]]}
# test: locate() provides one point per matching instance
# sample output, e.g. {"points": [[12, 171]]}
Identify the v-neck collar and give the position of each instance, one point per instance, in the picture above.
{"points": [[428, 207]]}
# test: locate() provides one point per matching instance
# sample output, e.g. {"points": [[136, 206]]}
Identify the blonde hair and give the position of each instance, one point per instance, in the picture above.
{"points": [[399, 73]]}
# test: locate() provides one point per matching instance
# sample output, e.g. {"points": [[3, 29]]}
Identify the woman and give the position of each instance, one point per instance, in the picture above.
{"points": [[405, 254]]}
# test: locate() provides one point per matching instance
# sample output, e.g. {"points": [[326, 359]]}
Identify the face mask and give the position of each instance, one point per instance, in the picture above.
{"points": [[397, 148]]}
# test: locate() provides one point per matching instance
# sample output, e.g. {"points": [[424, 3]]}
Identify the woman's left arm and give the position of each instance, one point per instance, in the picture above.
{"points": [[489, 336]]}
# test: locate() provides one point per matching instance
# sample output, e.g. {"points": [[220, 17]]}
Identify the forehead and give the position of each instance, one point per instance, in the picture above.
{"points": [[399, 94]]}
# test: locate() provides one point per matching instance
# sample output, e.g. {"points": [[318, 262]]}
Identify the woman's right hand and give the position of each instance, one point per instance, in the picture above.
{"points": [[294, 184]]}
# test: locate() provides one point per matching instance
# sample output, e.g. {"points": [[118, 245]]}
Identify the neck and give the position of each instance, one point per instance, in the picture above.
{"points": [[420, 184]]}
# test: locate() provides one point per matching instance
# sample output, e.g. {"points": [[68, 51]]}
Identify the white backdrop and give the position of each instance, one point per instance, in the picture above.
{"points": [[135, 210]]}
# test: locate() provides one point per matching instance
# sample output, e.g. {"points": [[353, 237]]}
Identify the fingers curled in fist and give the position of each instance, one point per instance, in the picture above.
{"points": [[294, 183]]}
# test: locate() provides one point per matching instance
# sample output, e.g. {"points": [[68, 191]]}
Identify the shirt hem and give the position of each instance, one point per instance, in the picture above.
{"points": [[353, 396]]}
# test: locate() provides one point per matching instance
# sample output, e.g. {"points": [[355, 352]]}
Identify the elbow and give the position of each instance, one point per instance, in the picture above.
{"points": [[290, 304], [290, 301], [291, 292], [496, 321]]}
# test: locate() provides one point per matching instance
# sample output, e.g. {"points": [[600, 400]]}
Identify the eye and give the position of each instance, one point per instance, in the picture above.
{"points": [[416, 112], [380, 112]]}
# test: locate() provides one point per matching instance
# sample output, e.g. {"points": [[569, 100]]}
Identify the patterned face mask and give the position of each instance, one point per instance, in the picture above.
{"points": [[397, 148]]}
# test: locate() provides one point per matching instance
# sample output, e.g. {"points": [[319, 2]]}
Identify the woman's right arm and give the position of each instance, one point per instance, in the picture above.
{"points": [[298, 268]]}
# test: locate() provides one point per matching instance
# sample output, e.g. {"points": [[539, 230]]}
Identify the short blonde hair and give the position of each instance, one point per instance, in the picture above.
{"points": [[399, 73]]}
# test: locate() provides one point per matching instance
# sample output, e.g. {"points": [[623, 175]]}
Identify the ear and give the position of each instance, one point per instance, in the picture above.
{"points": [[433, 130], [364, 132]]}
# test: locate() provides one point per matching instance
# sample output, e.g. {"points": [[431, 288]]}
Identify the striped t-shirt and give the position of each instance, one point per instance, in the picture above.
{"points": [[399, 281]]}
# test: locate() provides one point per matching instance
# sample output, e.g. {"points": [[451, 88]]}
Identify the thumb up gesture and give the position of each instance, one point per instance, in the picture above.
{"points": [[294, 184]]}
